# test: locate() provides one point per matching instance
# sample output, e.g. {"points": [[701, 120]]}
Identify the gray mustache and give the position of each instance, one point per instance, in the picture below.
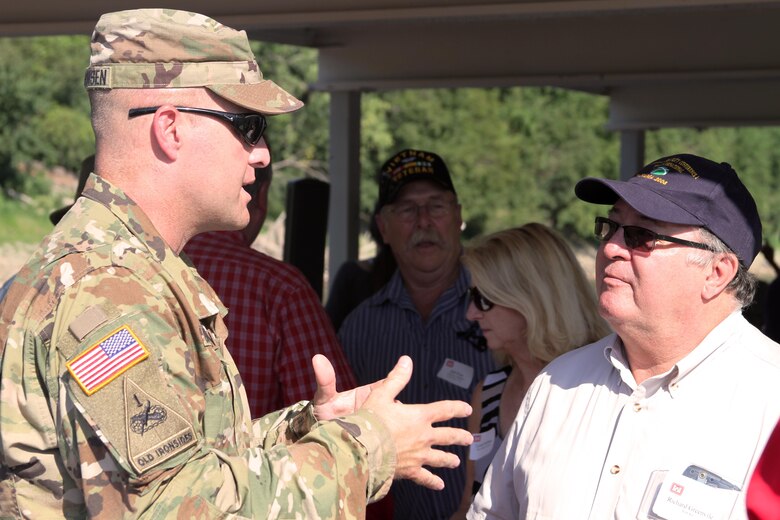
{"points": [[426, 236]]}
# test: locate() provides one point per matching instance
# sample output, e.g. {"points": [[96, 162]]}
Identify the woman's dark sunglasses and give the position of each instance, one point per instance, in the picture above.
{"points": [[249, 127], [480, 302], [637, 237]]}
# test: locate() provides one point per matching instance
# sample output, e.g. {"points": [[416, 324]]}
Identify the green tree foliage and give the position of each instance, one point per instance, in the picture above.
{"points": [[299, 141], [514, 153], [44, 114], [66, 136]]}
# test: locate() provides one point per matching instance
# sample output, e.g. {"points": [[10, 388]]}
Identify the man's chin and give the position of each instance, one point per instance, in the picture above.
{"points": [[232, 225], [242, 220], [613, 306]]}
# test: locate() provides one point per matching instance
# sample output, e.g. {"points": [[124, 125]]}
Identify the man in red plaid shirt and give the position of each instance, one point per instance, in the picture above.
{"points": [[275, 320]]}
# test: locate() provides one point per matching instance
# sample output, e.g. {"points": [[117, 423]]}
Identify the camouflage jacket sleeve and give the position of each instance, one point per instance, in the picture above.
{"points": [[161, 437], [119, 400]]}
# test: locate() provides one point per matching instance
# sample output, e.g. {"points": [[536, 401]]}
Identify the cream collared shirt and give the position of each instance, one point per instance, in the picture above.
{"points": [[590, 443]]}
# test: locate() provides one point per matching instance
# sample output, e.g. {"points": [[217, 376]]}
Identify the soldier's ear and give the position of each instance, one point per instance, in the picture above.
{"points": [[167, 131]]}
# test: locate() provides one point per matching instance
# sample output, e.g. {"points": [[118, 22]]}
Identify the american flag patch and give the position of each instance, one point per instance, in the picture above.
{"points": [[106, 360]]}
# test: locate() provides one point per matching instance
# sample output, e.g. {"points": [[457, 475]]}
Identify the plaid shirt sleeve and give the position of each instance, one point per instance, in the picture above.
{"points": [[306, 331], [275, 321]]}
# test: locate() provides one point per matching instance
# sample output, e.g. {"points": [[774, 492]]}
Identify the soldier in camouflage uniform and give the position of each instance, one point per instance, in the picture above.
{"points": [[119, 398]]}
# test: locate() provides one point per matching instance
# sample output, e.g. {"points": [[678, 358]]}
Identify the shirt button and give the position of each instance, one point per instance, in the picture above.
{"points": [[637, 407], [614, 469]]}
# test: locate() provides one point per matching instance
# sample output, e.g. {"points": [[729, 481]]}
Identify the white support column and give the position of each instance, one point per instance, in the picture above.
{"points": [[632, 152], [343, 223]]}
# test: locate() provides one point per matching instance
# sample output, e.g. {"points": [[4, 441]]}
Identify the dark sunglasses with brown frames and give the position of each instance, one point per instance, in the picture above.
{"points": [[637, 237]]}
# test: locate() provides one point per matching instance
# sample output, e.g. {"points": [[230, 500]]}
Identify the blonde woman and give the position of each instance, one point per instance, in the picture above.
{"points": [[533, 303]]}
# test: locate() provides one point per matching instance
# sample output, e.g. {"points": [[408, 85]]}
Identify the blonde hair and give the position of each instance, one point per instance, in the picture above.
{"points": [[532, 270]]}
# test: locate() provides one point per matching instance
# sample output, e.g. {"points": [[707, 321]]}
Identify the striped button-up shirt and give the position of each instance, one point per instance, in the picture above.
{"points": [[449, 360]]}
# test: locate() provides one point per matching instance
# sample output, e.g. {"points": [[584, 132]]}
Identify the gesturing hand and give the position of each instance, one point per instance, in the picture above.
{"points": [[329, 404], [411, 426]]}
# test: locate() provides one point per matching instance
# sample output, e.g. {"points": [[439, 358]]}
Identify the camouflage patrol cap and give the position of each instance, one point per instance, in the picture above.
{"points": [[168, 48]]}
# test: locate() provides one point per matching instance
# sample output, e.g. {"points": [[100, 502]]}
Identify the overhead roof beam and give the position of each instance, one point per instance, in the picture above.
{"points": [[50, 17]]}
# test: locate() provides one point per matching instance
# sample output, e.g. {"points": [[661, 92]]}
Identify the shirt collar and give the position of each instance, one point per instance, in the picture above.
{"points": [[128, 212], [199, 293], [395, 291], [709, 345], [615, 355]]}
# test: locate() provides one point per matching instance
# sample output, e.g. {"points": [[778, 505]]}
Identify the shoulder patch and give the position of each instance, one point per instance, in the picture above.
{"points": [[107, 359], [155, 432]]}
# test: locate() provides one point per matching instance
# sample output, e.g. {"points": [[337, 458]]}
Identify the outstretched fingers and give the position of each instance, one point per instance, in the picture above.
{"points": [[413, 427], [396, 380], [425, 478], [415, 467], [441, 411], [446, 436], [417, 447]]}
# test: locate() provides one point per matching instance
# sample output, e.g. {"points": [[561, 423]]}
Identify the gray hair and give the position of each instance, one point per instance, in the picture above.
{"points": [[743, 286]]}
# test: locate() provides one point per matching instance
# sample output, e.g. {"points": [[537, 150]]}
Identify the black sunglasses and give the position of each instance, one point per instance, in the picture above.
{"points": [[480, 302], [250, 126], [637, 237]]}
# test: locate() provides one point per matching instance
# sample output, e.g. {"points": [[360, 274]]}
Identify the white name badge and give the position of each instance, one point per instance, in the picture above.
{"points": [[683, 498], [456, 373], [482, 445]]}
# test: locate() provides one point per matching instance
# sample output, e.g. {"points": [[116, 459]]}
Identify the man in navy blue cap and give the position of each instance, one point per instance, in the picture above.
{"points": [[667, 417]]}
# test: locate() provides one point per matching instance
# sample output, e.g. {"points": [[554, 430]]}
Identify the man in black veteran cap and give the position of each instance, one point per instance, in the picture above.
{"points": [[421, 311], [668, 415], [119, 397]]}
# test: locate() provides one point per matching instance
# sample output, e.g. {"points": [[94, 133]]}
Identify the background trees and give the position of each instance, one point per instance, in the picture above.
{"points": [[44, 113], [514, 153]]}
